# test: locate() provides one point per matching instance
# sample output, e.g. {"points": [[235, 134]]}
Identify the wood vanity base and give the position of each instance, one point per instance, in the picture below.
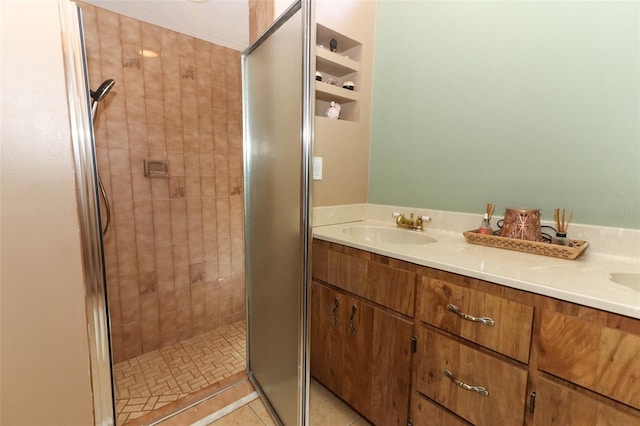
{"points": [[512, 357]]}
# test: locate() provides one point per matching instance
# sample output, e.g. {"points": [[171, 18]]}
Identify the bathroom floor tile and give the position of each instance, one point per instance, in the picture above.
{"points": [[325, 410], [155, 379]]}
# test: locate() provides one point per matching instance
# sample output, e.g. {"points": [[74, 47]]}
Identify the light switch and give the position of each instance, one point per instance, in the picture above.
{"points": [[317, 168]]}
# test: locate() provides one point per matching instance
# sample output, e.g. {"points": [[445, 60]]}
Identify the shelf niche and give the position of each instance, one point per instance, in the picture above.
{"points": [[341, 65]]}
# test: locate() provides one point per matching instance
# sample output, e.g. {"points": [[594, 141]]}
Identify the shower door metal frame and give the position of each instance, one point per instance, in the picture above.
{"points": [[307, 131], [84, 155]]}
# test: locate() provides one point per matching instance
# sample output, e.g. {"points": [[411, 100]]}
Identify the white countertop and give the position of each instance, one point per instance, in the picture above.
{"points": [[584, 281]]}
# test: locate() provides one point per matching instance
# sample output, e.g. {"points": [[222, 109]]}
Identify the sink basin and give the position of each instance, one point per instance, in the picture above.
{"points": [[629, 279], [388, 235]]}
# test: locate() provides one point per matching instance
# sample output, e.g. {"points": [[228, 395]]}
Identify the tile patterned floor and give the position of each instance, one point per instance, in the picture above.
{"points": [[155, 379], [325, 409]]}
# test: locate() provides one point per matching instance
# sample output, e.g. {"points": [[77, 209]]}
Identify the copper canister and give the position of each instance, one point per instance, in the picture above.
{"points": [[523, 224]]}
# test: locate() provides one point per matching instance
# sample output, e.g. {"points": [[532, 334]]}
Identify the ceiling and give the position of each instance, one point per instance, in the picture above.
{"points": [[223, 22]]}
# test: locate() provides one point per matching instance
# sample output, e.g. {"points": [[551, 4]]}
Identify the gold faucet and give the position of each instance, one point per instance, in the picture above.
{"points": [[411, 223]]}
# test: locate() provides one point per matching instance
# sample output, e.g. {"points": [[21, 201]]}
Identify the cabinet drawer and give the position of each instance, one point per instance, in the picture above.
{"points": [[391, 287], [353, 271], [426, 412], [560, 405], [587, 353], [510, 333], [347, 271], [504, 382]]}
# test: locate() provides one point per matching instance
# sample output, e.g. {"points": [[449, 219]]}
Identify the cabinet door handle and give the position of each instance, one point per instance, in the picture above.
{"points": [[481, 320], [336, 302], [479, 389], [354, 309]]}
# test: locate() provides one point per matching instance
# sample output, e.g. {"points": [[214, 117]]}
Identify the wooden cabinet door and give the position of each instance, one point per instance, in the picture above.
{"points": [[560, 405], [391, 365], [603, 359], [358, 330], [328, 319], [362, 354]]}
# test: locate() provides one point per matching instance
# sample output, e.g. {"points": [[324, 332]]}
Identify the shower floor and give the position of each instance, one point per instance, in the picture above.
{"points": [[161, 377]]}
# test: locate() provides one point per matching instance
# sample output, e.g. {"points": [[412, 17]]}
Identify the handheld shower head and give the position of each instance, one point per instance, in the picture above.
{"points": [[102, 90], [96, 97], [99, 95]]}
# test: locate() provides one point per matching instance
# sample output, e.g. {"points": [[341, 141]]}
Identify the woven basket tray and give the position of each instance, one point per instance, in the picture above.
{"points": [[570, 252]]}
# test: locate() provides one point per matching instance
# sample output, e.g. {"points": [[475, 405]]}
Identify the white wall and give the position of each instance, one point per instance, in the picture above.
{"points": [[44, 356]]}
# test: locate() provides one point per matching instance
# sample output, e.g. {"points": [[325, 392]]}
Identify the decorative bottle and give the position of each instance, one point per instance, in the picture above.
{"points": [[485, 226]]}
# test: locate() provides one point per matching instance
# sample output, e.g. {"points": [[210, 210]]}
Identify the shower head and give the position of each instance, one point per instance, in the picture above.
{"points": [[102, 91]]}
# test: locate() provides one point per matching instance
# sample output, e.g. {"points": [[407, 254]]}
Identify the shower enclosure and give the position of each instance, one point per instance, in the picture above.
{"points": [[173, 259], [174, 250], [278, 125]]}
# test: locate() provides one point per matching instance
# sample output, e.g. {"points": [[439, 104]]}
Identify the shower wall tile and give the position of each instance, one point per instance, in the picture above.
{"points": [[138, 136], [117, 134], [160, 189], [110, 50], [151, 36], [130, 29], [117, 111], [117, 341], [149, 305], [113, 291], [155, 110], [91, 40], [174, 254], [156, 139], [136, 109], [108, 23], [152, 63]]}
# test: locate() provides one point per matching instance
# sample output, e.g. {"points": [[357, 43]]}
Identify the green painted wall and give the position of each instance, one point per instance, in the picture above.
{"points": [[523, 104]]}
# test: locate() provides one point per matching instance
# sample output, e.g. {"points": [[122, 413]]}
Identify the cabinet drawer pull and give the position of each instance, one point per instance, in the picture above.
{"points": [[481, 320], [336, 302], [479, 389], [354, 309]]}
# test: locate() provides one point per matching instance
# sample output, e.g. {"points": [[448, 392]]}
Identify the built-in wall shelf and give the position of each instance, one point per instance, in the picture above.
{"points": [[335, 64], [328, 92], [341, 65]]}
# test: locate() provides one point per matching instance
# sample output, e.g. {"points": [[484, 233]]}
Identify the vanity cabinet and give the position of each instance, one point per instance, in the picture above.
{"points": [[546, 361], [539, 361], [360, 344]]}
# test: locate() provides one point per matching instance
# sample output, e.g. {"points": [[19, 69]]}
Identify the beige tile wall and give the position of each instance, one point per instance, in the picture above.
{"points": [[174, 254], [261, 15]]}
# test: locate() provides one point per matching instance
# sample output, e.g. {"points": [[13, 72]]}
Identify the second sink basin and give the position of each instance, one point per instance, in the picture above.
{"points": [[388, 235], [629, 279]]}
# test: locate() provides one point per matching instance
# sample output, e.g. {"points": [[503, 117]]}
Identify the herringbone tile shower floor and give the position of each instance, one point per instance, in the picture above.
{"points": [[155, 379]]}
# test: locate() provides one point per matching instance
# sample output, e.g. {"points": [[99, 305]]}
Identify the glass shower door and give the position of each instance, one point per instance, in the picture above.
{"points": [[277, 122]]}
